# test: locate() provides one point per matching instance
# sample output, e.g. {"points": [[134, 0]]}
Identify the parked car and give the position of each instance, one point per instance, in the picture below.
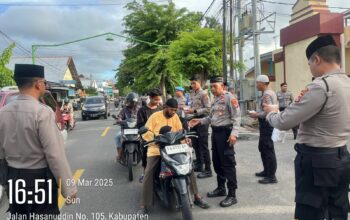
{"points": [[8, 96], [95, 107]]}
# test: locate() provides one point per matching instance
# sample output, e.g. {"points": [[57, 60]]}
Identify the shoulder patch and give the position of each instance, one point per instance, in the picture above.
{"points": [[302, 93], [234, 102]]}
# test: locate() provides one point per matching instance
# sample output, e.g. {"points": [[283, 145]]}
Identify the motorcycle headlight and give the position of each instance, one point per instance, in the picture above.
{"points": [[131, 124], [182, 169]]}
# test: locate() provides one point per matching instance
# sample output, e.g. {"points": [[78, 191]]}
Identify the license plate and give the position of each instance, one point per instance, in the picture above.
{"points": [[131, 131], [176, 149]]}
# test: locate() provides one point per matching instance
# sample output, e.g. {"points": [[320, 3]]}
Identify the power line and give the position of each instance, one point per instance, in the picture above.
{"points": [[208, 9], [291, 4], [22, 48]]}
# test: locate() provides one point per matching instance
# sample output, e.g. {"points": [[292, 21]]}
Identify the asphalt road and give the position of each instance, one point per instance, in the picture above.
{"points": [[91, 151]]}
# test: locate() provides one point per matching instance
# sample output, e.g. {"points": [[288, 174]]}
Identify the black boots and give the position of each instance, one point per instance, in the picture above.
{"points": [[220, 191], [261, 174], [268, 180], [230, 199], [205, 174]]}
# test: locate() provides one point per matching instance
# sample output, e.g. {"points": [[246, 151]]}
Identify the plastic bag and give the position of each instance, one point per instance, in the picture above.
{"points": [[278, 136]]}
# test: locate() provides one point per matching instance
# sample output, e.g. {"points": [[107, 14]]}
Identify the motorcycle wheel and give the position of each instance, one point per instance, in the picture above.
{"points": [[130, 164], [186, 207]]}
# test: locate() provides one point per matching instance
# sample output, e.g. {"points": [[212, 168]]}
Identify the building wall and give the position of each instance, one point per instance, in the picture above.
{"points": [[347, 60], [279, 68], [297, 70], [68, 75]]}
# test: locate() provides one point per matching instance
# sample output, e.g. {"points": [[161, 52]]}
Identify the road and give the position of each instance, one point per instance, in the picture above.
{"points": [[91, 151]]}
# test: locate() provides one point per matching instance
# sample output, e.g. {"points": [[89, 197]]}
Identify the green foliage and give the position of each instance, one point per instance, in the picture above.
{"points": [[91, 91], [5, 73], [145, 67], [197, 52]]}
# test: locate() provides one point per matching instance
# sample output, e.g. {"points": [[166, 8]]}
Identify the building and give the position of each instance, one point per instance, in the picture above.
{"points": [[309, 20], [60, 73]]}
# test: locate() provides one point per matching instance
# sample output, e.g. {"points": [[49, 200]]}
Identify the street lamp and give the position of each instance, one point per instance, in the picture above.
{"points": [[109, 38]]}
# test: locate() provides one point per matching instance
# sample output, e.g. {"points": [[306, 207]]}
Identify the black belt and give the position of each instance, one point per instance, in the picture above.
{"points": [[221, 128], [305, 149], [29, 171]]}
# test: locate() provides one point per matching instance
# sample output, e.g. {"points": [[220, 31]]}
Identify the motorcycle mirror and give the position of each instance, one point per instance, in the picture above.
{"points": [[143, 130]]}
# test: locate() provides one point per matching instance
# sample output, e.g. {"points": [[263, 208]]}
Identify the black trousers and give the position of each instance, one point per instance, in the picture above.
{"points": [[30, 207], [200, 146], [224, 157], [322, 178], [267, 149]]}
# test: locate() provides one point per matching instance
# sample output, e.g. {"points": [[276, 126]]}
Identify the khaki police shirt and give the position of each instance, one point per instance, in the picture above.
{"points": [[269, 97], [224, 111], [327, 127], [284, 99], [200, 102], [30, 139], [182, 103]]}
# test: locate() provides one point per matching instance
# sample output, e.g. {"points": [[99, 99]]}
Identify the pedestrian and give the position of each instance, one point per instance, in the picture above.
{"points": [[143, 114], [158, 120], [266, 146], [225, 121], [322, 164], [33, 147], [285, 98], [200, 108]]}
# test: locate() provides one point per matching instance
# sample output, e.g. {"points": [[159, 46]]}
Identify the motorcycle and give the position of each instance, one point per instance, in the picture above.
{"points": [[67, 118], [172, 184], [131, 144]]}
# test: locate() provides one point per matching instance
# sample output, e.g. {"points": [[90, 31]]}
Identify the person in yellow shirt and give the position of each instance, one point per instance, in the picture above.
{"points": [[167, 117]]}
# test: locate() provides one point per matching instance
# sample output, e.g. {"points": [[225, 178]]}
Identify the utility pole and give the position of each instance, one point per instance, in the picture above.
{"points": [[256, 45], [240, 39], [224, 55], [231, 40]]}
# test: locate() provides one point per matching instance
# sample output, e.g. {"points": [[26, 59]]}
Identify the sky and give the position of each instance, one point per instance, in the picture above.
{"points": [[29, 22]]}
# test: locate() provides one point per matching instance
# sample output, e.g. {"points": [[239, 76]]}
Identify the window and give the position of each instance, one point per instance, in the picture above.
{"points": [[94, 101], [11, 98], [49, 101]]}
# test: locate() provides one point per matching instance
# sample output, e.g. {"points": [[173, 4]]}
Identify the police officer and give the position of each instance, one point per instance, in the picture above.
{"points": [[33, 147], [181, 100], [225, 121], [285, 98], [322, 163], [266, 146], [200, 107]]}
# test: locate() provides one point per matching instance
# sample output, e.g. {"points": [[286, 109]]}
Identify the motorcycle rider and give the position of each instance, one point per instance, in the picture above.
{"points": [[68, 107], [129, 111], [142, 116], [167, 117]]}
